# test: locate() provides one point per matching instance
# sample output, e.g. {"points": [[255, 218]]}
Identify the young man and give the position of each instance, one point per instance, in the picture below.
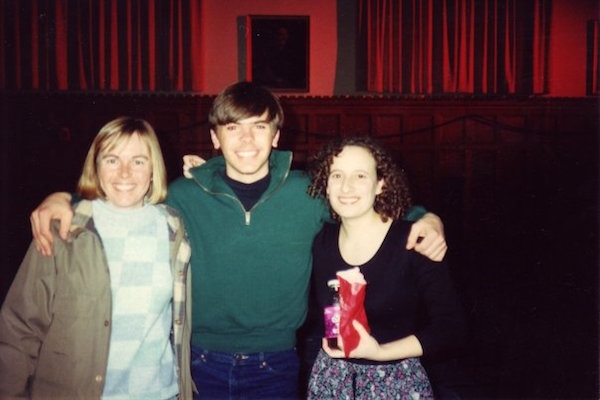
{"points": [[251, 225]]}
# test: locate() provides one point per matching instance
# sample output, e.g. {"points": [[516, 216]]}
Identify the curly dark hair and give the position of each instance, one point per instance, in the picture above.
{"points": [[395, 198]]}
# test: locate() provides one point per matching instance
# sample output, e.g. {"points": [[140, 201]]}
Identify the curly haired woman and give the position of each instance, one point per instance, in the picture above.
{"points": [[368, 194]]}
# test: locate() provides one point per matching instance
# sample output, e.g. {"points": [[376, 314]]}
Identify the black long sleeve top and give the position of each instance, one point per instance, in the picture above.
{"points": [[406, 292]]}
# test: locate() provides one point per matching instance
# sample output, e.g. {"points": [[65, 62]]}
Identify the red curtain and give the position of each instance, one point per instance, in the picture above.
{"points": [[593, 58], [454, 46], [105, 45]]}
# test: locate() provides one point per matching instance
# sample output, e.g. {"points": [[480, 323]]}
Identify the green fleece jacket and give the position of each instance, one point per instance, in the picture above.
{"points": [[251, 269]]}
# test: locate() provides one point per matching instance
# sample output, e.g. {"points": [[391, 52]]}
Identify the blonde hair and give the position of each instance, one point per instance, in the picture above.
{"points": [[112, 134]]}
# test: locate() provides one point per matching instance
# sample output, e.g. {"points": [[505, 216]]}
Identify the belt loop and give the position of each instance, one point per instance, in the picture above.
{"points": [[263, 362]]}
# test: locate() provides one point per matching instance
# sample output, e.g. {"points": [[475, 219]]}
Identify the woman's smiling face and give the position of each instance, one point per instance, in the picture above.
{"points": [[125, 172], [353, 184]]}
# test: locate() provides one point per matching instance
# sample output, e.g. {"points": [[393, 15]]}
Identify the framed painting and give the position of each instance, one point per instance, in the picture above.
{"points": [[277, 52]]}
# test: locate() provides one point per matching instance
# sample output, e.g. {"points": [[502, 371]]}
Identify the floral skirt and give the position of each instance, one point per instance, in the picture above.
{"points": [[335, 378]]}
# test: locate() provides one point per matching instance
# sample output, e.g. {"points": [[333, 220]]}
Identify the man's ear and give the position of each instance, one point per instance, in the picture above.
{"points": [[275, 141], [215, 140]]}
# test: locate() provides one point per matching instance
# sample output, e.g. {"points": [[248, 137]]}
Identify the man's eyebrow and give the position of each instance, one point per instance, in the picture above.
{"points": [[260, 121]]}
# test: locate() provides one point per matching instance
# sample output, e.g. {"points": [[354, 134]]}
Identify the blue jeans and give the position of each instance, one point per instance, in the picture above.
{"points": [[218, 375]]}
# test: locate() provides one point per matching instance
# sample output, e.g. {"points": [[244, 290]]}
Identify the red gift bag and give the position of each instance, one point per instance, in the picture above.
{"points": [[352, 296]]}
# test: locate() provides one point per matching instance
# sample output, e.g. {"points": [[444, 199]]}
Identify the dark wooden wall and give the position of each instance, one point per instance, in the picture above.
{"points": [[515, 181], [497, 141]]}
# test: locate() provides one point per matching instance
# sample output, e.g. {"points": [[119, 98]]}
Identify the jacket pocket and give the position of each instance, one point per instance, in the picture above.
{"points": [[71, 345]]}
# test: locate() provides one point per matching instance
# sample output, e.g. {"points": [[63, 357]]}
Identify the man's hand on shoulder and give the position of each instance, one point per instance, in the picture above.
{"points": [[427, 237], [55, 206]]}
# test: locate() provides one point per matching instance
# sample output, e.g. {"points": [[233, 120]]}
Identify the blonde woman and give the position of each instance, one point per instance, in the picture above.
{"points": [[108, 314]]}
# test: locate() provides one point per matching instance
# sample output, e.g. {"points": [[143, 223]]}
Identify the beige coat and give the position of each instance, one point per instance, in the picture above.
{"points": [[55, 321]]}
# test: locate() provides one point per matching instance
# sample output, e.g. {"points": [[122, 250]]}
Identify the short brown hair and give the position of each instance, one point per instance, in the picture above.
{"points": [[109, 136], [395, 198], [244, 100]]}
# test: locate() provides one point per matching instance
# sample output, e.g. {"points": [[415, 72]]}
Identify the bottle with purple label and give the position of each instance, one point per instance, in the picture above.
{"points": [[331, 315]]}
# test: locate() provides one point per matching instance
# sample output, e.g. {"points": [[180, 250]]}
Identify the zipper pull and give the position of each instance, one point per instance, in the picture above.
{"points": [[247, 214]]}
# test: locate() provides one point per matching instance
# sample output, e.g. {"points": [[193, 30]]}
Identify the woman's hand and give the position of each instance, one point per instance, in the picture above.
{"points": [[191, 161], [368, 348]]}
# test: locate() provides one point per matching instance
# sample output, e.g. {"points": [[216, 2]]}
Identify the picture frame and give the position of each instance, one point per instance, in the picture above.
{"points": [[276, 53]]}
